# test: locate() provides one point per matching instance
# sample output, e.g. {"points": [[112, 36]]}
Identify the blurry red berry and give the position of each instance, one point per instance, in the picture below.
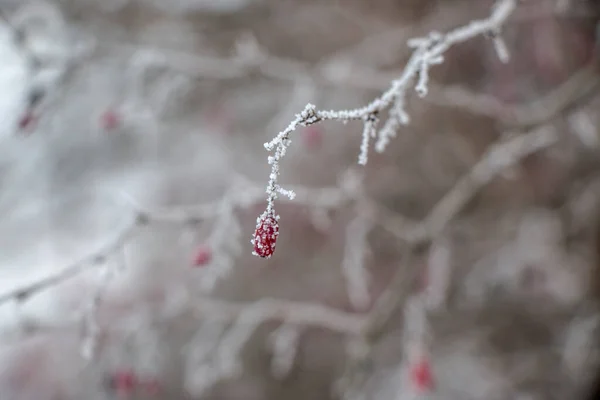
{"points": [[109, 120], [203, 256], [421, 376], [124, 381], [26, 120], [265, 235]]}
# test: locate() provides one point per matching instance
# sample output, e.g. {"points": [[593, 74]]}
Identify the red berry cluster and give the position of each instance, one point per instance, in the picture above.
{"points": [[265, 235]]}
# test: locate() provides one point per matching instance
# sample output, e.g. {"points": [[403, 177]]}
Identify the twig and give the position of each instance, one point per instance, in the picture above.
{"points": [[496, 159], [95, 259], [428, 51], [296, 313], [576, 89], [393, 296], [247, 194]]}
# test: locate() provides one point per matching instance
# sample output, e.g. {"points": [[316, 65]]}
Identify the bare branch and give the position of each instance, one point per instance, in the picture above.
{"points": [[499, 157], [428, 51], [496, 159], [296, 313], [95, 259]]}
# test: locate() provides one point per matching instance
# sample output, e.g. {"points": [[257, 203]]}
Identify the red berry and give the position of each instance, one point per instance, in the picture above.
{"points": [[265, 235], [26, 120], [109, 120], [421, 376], [203, 256], [124, 381]]}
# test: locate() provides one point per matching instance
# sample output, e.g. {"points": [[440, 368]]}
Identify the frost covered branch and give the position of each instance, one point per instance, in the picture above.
{"points": [[246, 195], [291, 312], [230, 326], [227, 327], [565, 97], [337, 71], [243, 195], [284, 344], [94, 260], [497, 159], [428, 51], [368, 327], [353, 264]]}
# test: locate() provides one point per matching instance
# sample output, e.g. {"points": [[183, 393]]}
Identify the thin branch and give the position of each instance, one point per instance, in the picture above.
{"points": [[95, 259], [428, 51], [296, 313], [394, 295], [246, 195], [496, 159], [576, 89], [327, 72]]}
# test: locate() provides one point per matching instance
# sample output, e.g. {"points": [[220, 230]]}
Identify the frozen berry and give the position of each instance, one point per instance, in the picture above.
{"points": [[265, 235], [421, 376], [109, 120], [124, 381], [202, 256], [27, 120]]}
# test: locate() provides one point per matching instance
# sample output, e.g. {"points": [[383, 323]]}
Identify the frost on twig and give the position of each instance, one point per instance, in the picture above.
{"points": [[249, 316], [90, 326], [370, 123], [584, 128], [224, 242], [428, 51], [199, 354], [439, 274], [353, 264], [495, 160], [499, 45], [248, 51], [578, 341], [501, 49], [304, 314], [221, 212], [284, 342], [91, 330], [351, 385], [215, 352], [416, 325], [398, 116], [416, 368]]}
